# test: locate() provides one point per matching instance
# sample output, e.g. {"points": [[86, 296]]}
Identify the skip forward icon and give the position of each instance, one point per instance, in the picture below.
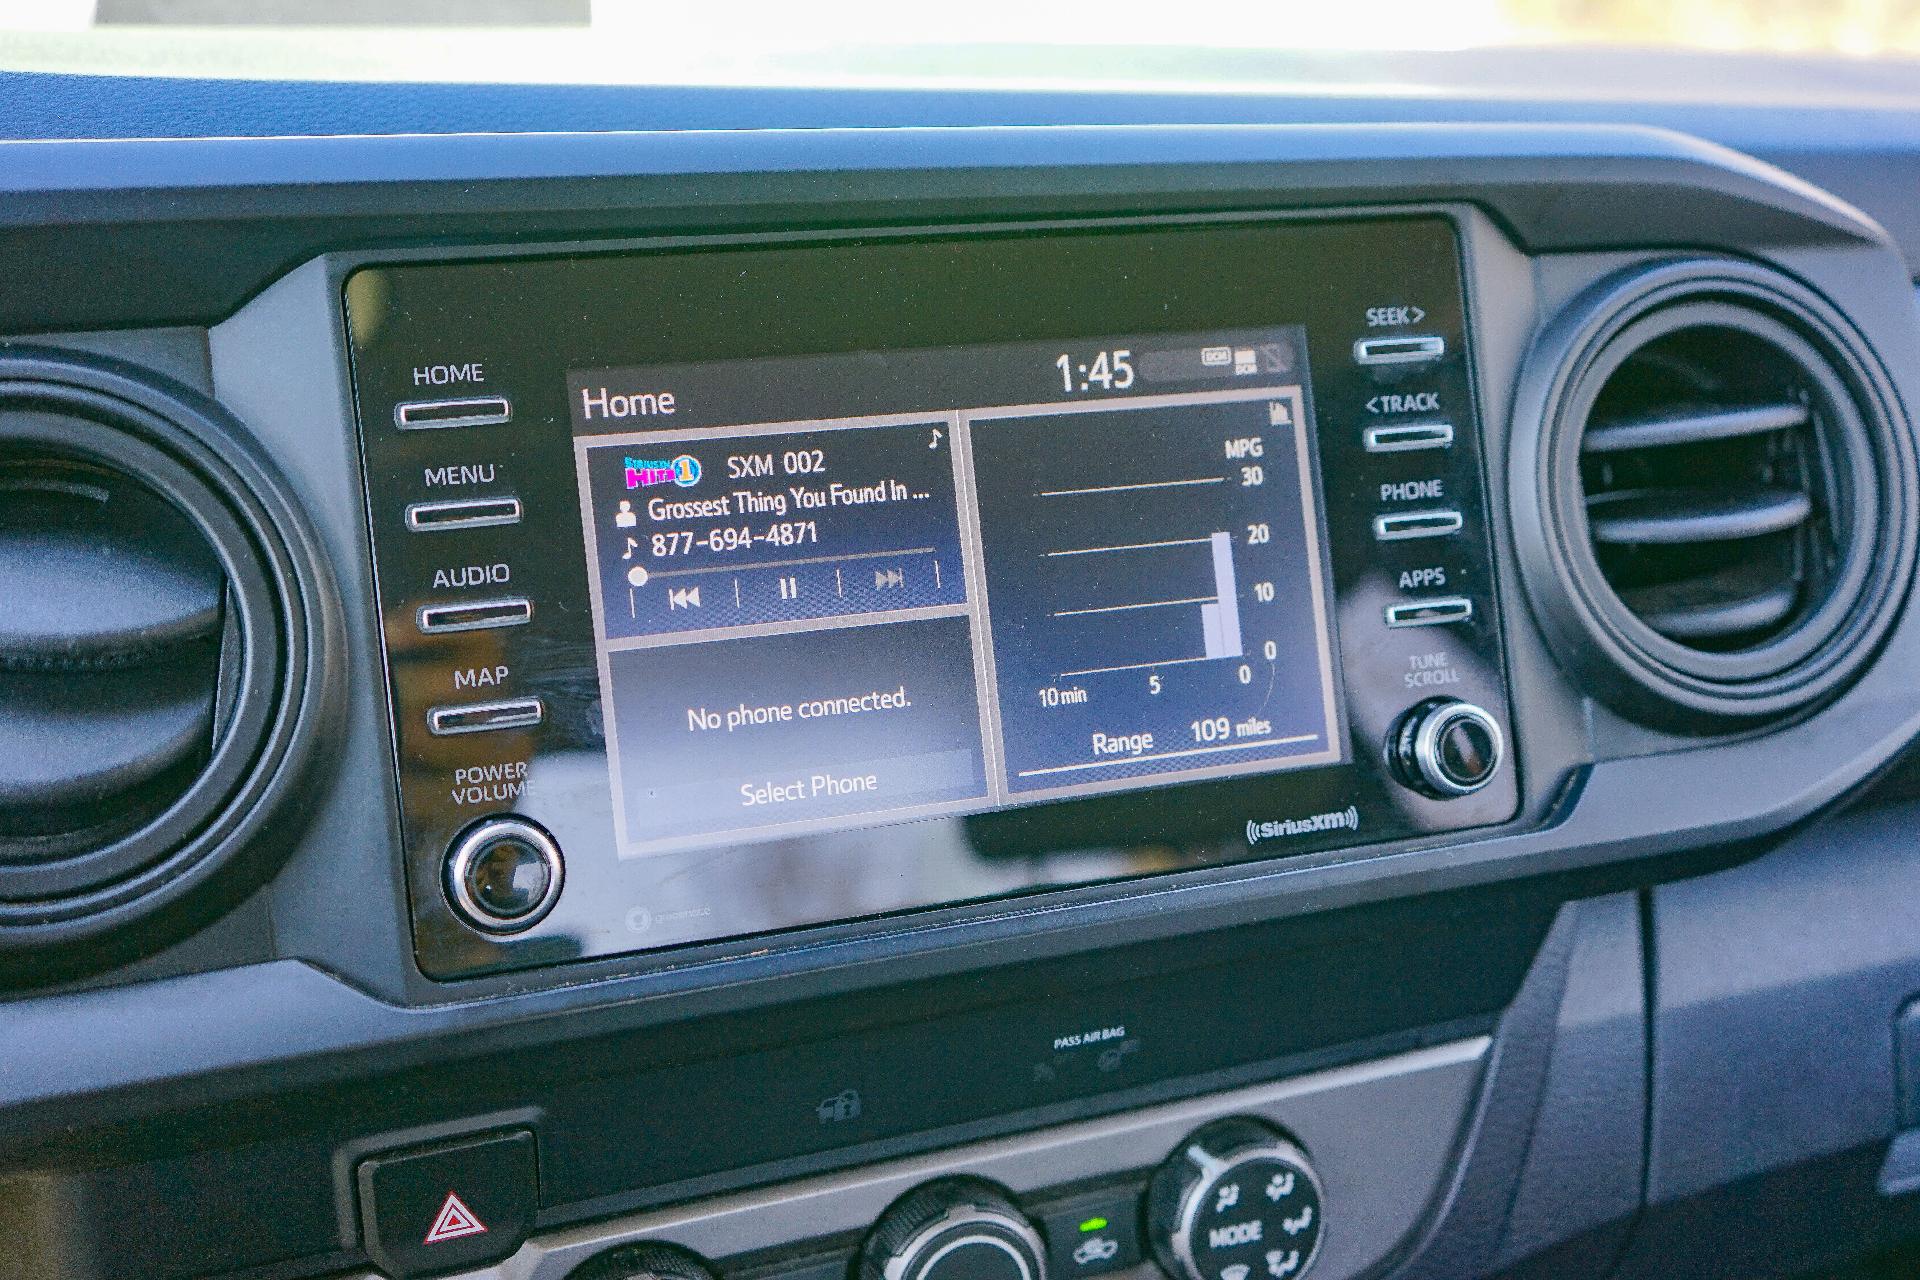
{"points": [[454, 1222]]}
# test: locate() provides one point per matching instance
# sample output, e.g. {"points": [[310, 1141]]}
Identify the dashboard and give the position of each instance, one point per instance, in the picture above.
{"points": [[956, 703]]}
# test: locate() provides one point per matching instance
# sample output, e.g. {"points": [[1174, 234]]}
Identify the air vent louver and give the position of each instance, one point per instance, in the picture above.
{"points": [[110, 650], [1712, 508], [1725, 491], [156, 683]]}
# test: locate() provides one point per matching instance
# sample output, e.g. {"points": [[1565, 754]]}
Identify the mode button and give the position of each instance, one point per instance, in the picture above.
{"points": [[448, 1207]]}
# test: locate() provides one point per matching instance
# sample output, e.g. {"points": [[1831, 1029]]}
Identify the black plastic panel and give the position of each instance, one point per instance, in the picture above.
{"points": [[668, 1113], [1774, 1071]]}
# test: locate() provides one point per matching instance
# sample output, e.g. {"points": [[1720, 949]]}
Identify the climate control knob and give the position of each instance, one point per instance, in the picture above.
{"points": [[953, 1229], [1446, 748], [1237, 1201], [644, 1260]]}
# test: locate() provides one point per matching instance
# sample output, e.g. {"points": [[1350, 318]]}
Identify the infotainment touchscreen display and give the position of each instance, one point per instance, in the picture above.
{"points": [[733, 587], [959, 577]]}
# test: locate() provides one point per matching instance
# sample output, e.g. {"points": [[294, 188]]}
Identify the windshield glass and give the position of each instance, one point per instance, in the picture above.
{"points": [[1263, 43]]}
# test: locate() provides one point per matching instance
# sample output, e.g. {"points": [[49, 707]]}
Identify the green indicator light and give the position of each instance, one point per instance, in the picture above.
{"points": [[1094, 1224]]}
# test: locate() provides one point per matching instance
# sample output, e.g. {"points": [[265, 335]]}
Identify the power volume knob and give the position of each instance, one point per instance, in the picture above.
{"points": [[1446, 748], [953, 1229], [1237, 1201]]}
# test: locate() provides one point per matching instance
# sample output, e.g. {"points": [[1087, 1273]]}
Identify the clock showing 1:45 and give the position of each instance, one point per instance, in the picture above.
{"points": [[1107, 371]]}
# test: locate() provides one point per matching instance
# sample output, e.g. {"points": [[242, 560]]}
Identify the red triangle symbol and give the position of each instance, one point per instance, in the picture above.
{"points": [[455, 1222]]}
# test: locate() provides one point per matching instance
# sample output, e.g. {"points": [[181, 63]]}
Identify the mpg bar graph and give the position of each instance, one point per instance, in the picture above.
{"points": [[1220, 616], [1155, 587], [1218, 611]]}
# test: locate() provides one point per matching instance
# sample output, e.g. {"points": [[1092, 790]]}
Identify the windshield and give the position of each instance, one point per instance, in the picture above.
{"points": [[1265, 43]]}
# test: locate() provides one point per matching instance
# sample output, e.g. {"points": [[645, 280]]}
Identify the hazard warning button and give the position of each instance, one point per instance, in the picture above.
{"points": [[429, 1210]]}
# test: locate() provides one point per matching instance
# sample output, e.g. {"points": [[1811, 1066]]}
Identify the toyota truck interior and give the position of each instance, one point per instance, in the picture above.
{"points": [[1235, 642]]}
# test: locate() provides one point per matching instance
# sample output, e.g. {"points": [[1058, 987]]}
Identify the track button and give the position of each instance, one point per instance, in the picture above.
{"points": [[1408, 437]]}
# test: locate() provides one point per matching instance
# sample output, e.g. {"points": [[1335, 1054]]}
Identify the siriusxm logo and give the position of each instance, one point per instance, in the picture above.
{"points": [[1347, 819], [683, 471]]}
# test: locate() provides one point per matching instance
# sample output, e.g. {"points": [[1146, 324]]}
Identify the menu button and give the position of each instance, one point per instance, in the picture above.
{"points": [[462, 513]]}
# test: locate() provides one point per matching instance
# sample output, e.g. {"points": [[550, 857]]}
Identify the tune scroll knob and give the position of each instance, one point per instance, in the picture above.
{"points": [[1446, 748], [644, 1260], [953, 1229], [1237, 1201]]}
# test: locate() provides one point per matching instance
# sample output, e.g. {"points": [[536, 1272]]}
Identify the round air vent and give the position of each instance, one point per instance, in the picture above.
{"points": [[158, 657], [1717, 506], [112, 649]]}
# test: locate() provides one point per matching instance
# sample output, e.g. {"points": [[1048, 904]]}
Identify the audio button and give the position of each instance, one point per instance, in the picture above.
{"points": [[474, 615]]}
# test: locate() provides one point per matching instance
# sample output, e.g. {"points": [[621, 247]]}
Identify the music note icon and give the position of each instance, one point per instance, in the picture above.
{"points": [[631, 545]]}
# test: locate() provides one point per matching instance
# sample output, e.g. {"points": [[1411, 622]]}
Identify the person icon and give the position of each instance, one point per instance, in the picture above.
{"points": [[624, 517]]}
